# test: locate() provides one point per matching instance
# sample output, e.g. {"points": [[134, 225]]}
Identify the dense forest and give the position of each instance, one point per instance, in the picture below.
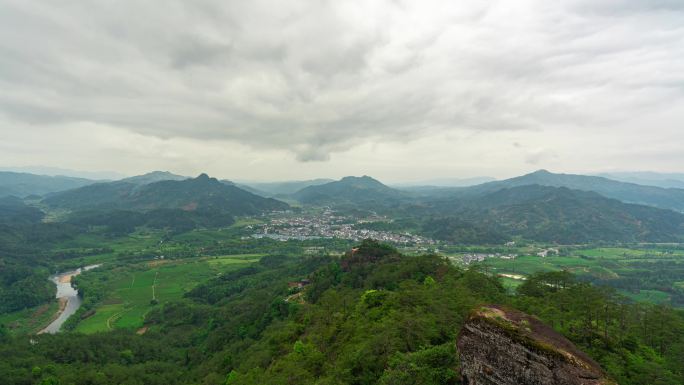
{"points": [[373, 316], [24, 248]]}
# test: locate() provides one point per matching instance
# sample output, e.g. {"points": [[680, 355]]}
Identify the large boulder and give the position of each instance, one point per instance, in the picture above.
{"points": [[500, 346]]}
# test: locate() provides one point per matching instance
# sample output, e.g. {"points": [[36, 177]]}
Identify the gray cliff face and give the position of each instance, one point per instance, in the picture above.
{"points": [[507, 347]]}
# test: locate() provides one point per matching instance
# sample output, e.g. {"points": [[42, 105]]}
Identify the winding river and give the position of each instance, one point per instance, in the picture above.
{"points": [[68, 298]]}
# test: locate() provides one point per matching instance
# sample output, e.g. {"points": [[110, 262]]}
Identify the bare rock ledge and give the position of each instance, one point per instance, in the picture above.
{"points": [[500, 346]]}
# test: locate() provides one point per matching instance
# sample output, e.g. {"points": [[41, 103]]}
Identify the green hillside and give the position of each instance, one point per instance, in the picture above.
{"points": [[362, 191], [202, 194], [550, 214], [14, 210], [667, 198], [373, 316]]}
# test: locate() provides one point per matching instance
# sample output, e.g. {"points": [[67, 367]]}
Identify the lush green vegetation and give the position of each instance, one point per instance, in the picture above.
{"points": [[667, 198], [645, 273], [186, 296], [204, 195], [120, 297], [537, 207], [371, 317], [635, 343], [548, 214], [31, 250], [362, 191], [30, 320], [25, 257]]}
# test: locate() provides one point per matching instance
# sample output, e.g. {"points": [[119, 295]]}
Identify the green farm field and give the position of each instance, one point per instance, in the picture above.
{"points": [[605, 261], [131, 293], [510, 283], [643, 275], [148, 242], [144, 243]]}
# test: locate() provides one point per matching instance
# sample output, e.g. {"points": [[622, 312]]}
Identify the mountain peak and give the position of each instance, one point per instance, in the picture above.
{"points": [[152, 177], [204, 179], [363, 179], [349, 189], [158, 172], [190, 194], [542, 172]]}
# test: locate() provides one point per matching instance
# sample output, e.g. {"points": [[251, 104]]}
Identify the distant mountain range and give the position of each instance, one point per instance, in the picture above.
{"points": [[552, 214], [199, 194], [671, 180], [351, 190], [443, 182], [152, 177], [274, 189], [544, 206], [58, 171], [22, 184], [667, 198]]}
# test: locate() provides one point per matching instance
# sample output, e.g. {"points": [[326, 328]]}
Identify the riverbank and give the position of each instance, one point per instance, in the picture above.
{"points": [[31, 320], [68, 299]]}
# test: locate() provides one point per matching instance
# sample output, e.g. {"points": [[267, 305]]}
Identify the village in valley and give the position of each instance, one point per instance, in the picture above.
{"points": [[330, 224]]}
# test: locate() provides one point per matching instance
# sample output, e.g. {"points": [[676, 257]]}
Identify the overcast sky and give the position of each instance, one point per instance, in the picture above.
{"points": [[401, 90]]}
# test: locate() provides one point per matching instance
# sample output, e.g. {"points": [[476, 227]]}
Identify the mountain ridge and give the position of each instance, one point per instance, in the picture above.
{"points": [[22, 184], [666, 198], [200, 193], [553, 214]]}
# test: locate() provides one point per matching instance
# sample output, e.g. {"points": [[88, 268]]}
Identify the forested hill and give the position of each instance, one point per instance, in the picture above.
{"points": [[199, 194], [373, 317], [351, 190], [667, 198], [24, 184], [14, 211], [550, 214]]}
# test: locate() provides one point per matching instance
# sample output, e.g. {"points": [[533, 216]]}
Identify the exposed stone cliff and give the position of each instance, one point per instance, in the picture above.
{"points": [[501, 346]]}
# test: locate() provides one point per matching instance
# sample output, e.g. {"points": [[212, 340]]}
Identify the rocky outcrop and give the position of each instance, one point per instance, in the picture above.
{"points": [[500, 346]]}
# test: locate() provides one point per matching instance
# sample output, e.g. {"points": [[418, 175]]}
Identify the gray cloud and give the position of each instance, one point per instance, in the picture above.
{"points": [[318, 78], [540, 157]]}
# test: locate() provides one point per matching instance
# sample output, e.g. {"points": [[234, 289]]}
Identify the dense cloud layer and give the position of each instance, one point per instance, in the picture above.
{"points": [[316, 78]]}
